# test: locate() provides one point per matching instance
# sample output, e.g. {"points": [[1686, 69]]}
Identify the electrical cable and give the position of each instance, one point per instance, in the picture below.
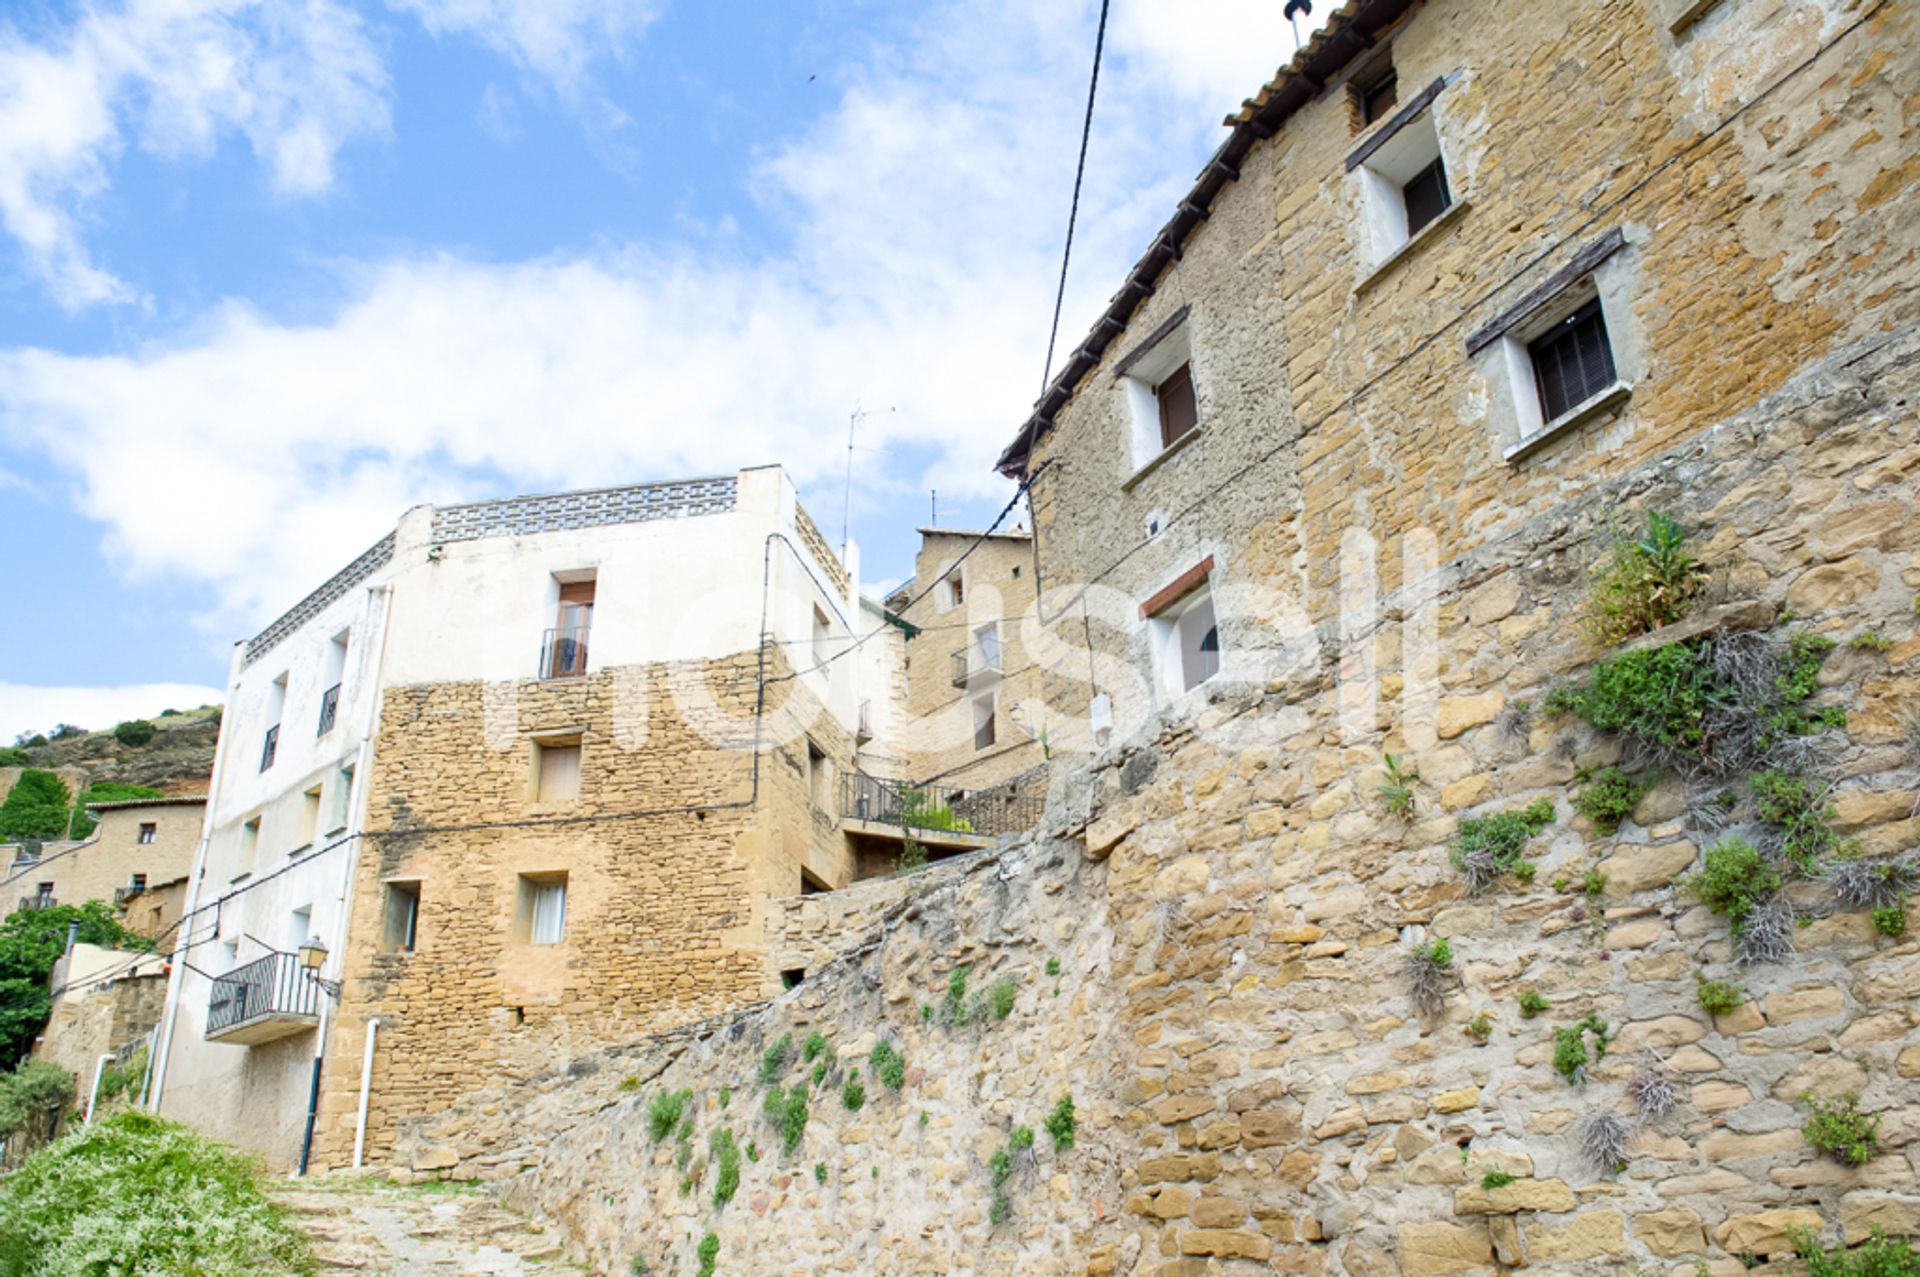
{"points": [[1073, 210]]}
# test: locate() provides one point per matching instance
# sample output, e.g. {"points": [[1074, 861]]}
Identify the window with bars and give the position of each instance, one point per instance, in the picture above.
{"points": [[1572, 361]]}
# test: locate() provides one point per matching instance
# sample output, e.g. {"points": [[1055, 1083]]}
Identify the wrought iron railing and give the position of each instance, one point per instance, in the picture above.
{"points": [[563, 652], [329, 709], [274, 986], [36, 902], [987, 812], [270, 747], [974, 660]]}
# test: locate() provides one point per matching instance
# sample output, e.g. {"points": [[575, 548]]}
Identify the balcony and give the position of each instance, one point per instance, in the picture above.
{"points": [[329, 709], [35, 902], [263, 1001], [563, 652], [937, 813], [975, 660], [270, 747]]}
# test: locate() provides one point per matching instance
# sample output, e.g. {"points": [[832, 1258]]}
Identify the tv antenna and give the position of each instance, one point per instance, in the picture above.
{"points": [[1293, 11], [858, 415]]}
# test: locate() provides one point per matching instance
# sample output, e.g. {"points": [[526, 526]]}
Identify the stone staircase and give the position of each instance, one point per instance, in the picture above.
{"points": [[366, 1224]]}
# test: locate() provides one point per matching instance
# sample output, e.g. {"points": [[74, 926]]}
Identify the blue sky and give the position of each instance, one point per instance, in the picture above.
{"points": [[272, 271]]}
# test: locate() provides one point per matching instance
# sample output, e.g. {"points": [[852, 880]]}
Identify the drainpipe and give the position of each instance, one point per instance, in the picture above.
{"points": [[93, 1098], [366, 1085]]}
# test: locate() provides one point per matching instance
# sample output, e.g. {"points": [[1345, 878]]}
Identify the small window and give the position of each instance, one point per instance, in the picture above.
{"points": [[822, 638], [983, 721], [1404, 186], [309, 816], [403, 916], [43, 895], [564, 653], [300, 927], [276, 706], [148, 832], [1426, 195], [1199, 637], [249, 844], [1379, 96], [819, 778], [139, 882], [556, 771], [541, 916], [1186, 635], [953, 591], [342, 799], [986, 643], [1016, 571], [1572, 361], [1179, 413]]}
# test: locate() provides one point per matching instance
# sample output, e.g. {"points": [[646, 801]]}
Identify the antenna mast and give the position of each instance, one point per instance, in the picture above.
{"points": [[846, 497]]}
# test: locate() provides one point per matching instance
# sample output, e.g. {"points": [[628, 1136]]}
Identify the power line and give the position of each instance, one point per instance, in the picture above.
{"points": [[1073, 210]]}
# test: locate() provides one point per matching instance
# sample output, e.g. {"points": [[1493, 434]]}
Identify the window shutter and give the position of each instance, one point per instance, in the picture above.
{"points": [[1179, 412]]}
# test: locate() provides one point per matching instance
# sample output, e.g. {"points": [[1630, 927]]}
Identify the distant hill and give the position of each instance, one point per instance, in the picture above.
{"points": [[178, 759]]}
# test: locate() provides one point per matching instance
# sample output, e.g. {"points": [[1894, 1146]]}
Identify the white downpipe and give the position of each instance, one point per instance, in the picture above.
{"points": [[93, 1098], [366, 1085]]}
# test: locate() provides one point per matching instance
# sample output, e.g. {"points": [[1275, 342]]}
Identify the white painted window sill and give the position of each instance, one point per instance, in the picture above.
{"points": [[1134, 480], [1448, 216], [1572, 419]]}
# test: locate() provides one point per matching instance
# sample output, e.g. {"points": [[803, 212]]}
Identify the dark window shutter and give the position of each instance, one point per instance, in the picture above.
{"points": [[1179, 412], [1573, 361], [1427, 196]]}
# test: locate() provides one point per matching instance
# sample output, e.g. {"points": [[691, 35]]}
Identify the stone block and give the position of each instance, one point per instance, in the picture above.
{"points": [[1456, 1101], [1508, 1199], [1457, 714], [1765, 1232], [1805, 1004], [1632, 869], [1865, 1212], [1590, 1236], [1225, 1243], [1435, 1249], [1674, 1231]]}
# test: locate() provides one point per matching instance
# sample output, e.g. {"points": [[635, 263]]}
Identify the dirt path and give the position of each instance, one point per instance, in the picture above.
{"points": [[368, 1225]]}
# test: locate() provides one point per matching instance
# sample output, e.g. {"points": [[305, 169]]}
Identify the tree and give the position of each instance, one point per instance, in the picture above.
{"points": [[36, 806], [107, 791], [13, 756], [31, 941], [135, 732]]}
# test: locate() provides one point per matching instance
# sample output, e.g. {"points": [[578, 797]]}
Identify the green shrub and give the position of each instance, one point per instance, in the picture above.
{"points": [[1001, 996], [1610, 798], [13, 756], [1717, 997], [133, 1193], [36, 808], [1487, 846], [1839, 1129], [664, 1112], [1061, 1123], [30, 1092], [1570, 1055], [134, 732], [1495, 1179], [820, 1172], [1890, 921], [1734, 879], [1000, 1167], [1532, 1003], [888, 1065], [953, 1010], [853, 1093], [708, 1254], [1645, 583], [1876, 1257], [1593, 883], [1659, 695], [1871, 641], [31, 941], [786, 1110], [727, 1155], [1000, 1209], [1022, 1138], [773, 1061], [816, 1046], [1479, 1028], [919, 811], [820, 1072], [726, 1096]]}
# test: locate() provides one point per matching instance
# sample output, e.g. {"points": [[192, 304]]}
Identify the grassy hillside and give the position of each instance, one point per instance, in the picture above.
{"points": [[177, 759]]}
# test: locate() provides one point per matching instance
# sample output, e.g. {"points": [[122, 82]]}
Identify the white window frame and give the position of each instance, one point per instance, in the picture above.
{"points": [[1140, 386], [541, 912], [1174, 632], [1531, 429], [986, 707], [542, 747], [1383, 176]]}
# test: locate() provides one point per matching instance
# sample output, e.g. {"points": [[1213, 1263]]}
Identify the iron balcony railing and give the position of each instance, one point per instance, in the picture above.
{"points": [[563, 652], [974, 660], [329, 709], [274, 987], [36, 902], [985, 812], [270, 747]]}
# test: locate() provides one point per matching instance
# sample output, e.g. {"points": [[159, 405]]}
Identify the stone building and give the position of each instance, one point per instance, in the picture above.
{"points": [[529, 773], [139, 844], [1469, 291]]}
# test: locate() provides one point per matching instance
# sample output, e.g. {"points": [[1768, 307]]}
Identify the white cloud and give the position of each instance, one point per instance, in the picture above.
{"points": [[24, 708], [296, 78], [555, 40], [922, 217]]}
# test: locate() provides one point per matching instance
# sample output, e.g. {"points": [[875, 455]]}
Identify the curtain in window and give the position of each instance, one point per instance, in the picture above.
{"points": [[549, 912]]}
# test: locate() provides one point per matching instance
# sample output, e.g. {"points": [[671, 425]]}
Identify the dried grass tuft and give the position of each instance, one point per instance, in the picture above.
{"points": [[1651, 1092], [1601, 1138], [1766, 934], [1874, 884]]}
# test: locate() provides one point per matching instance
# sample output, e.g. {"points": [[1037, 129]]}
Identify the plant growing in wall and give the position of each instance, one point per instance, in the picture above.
{"points": [[1396, 790], [708, 1254], [1717, 997], [726, 1153], [1882, 883], [1479, 1028], [1736, 881], [953, 1009], [814, 1047], [773, 1061], [853, 1094], [1000, 998], [1645, 582], [1651, 1093], [888, 1065], [1429, 972], [1485, 847], [1570, 1053], [1875, 1257], [1062, 1124], [1609, 798], [1601, 1137], [1890, 922], [663, 1114], [1532, 1003], [786, 1111], [1839, 1129]]}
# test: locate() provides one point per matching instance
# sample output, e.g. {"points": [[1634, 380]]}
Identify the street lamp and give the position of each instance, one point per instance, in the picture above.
{"points": [[313, 956]]}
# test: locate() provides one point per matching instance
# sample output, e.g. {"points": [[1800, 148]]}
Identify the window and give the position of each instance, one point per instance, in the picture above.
{"points": [[1163, 401], [541, 916], [983, 721], [309, 816], [822, 636], [332, 677], [148, 832], [1185, 631], [819, 778], [1373, 92], [342, 799], [1572, 361], [299, 927], [276, 705], [249, 844], [556, 770], [138, 882], [953, 591], [403, 916], [564, 654], [43, 895], [1404, 184], [987, 644]]}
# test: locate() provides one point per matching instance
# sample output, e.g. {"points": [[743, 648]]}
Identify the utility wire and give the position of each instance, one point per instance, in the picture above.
{"points": [[1073, 211]]}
